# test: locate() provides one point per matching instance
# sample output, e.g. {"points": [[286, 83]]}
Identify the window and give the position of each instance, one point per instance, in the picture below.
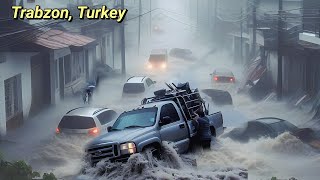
{"points": [[149, 82], [169, 110], [77, 65], [77, 122], [2, 58], [106, 117], [138, 118], [133, 88], [13, 96], [56, 71], [67, 69]]}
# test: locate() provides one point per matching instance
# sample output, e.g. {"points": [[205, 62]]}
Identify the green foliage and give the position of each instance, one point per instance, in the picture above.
{"points": [[49, 176], [273, 178], [20, 170]]}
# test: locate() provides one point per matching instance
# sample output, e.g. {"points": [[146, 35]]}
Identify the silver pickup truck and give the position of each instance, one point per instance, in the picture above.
{"points": [[166, 117]]}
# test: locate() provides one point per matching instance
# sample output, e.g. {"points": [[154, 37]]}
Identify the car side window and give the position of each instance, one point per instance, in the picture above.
{"points": [[169, 110], [106, 117], [149, 82]]}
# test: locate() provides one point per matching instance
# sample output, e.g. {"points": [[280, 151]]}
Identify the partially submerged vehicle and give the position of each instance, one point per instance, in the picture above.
{"points": [[165, 117], [180, 53], [262, 127], [222, 75], [86, 121], [158, 60], [219, 97], [137, 85]]}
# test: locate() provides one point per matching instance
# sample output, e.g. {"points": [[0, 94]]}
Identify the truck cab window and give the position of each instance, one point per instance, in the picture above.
{"points": [[169, 110]]}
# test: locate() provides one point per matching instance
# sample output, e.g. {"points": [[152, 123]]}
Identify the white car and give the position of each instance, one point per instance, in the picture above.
{"points": [[137, 85], [86, 120]]}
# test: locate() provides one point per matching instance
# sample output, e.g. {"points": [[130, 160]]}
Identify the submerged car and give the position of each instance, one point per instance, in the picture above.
{"points": [[137, 85], [158, 60], [185, 54], [86, 120], [222, 76], [262, 127]]}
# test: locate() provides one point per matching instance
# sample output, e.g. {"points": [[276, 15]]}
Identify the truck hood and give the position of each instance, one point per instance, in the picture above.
{"points": [[121, 136]]}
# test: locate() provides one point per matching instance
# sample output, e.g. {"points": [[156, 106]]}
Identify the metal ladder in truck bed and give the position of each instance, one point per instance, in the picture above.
{"points": [[187, 102]]}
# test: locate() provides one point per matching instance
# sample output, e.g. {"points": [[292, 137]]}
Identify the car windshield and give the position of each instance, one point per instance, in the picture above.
{"points": [[133, 88], [138, 118], [77, 122], [157, 58]]}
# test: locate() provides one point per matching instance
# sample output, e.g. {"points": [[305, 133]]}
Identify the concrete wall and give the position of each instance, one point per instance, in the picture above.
{"points": [[16, 63]]}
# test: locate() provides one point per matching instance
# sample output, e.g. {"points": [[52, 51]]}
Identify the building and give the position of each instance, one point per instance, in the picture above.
{"points": [[38, 68]]}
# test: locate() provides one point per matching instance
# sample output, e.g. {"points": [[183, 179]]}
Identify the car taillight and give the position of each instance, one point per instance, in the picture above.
{"points": [[216, 78], [164, 65], [231, 79], [57, 130], [150, 66], [94, 131]]}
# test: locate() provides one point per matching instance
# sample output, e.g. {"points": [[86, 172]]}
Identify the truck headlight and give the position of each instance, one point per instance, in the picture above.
{"points": [[128, 148]]}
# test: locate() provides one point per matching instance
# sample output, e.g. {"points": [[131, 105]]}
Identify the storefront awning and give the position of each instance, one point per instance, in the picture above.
{"points": [[56, 39]]}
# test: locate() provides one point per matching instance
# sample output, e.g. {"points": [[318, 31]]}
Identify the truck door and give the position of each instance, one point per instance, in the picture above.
{"points": [[177, 130]]}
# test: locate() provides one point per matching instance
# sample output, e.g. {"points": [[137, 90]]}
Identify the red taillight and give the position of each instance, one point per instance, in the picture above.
{"points": [[57, 130], [94, 131], [231, 79], [216, 78]]}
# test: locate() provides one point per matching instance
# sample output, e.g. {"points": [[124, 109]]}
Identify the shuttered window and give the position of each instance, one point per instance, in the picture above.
{"points": [[13, 96]]}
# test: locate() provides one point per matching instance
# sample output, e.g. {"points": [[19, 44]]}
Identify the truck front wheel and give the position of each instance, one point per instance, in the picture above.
{"points": [[153, 149], [213, 131]]}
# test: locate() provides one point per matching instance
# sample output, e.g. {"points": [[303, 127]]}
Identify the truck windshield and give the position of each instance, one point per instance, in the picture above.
{"points": [[138, 118], [157, 58]]}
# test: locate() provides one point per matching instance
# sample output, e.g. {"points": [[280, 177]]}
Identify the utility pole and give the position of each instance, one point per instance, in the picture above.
{"points": [[241, 40], [150, 17], [254, 29], [197, 14], [139, 24], [123, 45], [215, 17], [280, 25]]}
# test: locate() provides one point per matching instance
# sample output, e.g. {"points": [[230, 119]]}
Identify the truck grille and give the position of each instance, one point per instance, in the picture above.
{"points": [[103, 151]]}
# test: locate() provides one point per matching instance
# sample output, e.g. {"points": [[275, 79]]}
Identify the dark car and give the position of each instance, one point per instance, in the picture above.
{"points": [[262, 127], [185, 54], [222, 76]]}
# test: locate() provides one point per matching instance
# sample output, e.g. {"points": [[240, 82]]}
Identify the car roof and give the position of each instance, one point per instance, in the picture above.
{"points": [[268, 120], [85, 111], [158, 51], [136, 79]]}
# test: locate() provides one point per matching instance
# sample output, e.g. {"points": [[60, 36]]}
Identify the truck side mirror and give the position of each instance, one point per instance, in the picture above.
{"points": [[165, 120], [109, 128]]}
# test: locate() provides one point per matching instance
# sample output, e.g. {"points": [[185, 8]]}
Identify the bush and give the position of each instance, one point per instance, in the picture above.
{"points": [[20, 170]]}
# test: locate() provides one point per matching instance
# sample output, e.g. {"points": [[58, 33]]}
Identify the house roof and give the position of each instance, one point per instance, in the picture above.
{"points": [[14, 33], [56, 39]]}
